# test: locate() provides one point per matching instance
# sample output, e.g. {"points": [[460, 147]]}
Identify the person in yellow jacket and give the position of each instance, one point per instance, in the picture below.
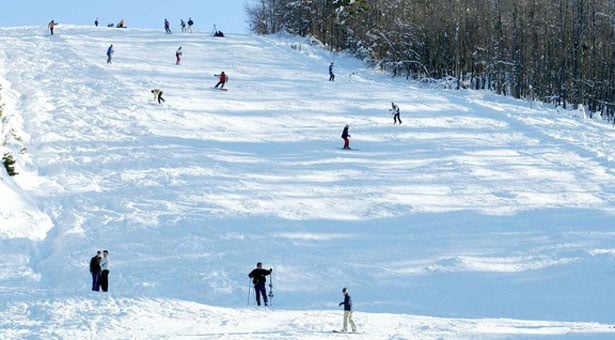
{"points": [[158, 95], [51, 25]]}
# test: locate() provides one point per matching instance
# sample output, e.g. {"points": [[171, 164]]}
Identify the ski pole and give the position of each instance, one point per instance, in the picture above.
{"points": [[249, 291]]}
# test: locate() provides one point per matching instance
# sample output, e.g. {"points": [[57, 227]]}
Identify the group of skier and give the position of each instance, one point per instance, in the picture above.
{"points": [[259, 279], [99, 268], [396, 119], [345, 135]]}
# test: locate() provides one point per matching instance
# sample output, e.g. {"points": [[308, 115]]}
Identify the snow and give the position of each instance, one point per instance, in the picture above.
{"points": [[479, 217]]}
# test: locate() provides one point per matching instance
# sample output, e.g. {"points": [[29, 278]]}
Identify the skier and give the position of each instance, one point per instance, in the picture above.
{"points": [[51, 25], [395, 110], [96, 22], [158, 95], [95, 271], [258, 279], [109, 53], [167, 26], [178, 55], [223, 80], [345, 136], [190, 23], [182, 23], [104, 266], [347, 312], [331, 75]]}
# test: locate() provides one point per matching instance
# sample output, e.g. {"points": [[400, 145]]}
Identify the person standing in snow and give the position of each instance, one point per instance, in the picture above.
{"points": [[109, 53], [182, 23], [51, 26], [190, 23], [104, 266], [96, 22], [347, 311], [395, 111], [95, 271], [331, 75], [258, 276], [223, 80], [345, 137], [178, 55], [167, 26], [158, 95]]}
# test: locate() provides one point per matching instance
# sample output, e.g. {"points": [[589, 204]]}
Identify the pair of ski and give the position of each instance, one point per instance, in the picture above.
{"points": [[343, 332]]}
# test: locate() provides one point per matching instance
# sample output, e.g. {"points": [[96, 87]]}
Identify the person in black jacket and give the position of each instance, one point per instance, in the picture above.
{"points": [[95, 270], [258, 279], [345, 136], [347, 311]]}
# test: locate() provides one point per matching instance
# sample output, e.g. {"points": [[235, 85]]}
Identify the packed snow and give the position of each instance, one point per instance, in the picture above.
{"points": [[480, 216]]}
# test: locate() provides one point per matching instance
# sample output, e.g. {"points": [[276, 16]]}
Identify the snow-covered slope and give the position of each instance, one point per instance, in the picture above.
{"points": [[478, 216]]}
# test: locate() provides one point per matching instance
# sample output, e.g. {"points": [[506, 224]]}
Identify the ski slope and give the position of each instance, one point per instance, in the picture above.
{"points": [[479, 217]]}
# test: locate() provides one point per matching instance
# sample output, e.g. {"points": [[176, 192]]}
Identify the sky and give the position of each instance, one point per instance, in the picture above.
{"points": [[228, 15]]}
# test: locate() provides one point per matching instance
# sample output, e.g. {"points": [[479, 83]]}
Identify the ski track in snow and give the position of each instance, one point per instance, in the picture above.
{"points": [[480, 212]]}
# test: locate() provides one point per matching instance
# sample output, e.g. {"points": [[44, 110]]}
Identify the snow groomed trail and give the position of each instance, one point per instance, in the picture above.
{"points": [[478, 216]]}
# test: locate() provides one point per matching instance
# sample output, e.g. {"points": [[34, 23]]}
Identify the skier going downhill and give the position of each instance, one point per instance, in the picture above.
{"points": [[345, 137], [223, 79], [158, 95], [178, 55], [258, 279], [395, 111], [109, 53]]}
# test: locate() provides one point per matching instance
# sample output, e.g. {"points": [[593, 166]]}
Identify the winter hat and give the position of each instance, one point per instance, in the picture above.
{"points": [[344, 290]]}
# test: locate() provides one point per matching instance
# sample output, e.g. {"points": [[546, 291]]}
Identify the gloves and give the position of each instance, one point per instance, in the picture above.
{"points": [[270, 269]]}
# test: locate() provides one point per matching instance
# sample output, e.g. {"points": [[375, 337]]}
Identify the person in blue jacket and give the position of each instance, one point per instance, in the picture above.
{"points": [[109, 53], [347, 311], [331, 75]]}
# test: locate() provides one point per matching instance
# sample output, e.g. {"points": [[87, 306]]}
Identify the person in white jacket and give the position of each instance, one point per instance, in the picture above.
{"points": [[104, 266]]}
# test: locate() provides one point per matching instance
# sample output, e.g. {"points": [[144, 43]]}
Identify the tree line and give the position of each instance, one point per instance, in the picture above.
{"points": [[560, 51]]}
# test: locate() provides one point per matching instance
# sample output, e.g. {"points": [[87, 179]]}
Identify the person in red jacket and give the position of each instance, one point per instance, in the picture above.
{"points": [[223, 80]]}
